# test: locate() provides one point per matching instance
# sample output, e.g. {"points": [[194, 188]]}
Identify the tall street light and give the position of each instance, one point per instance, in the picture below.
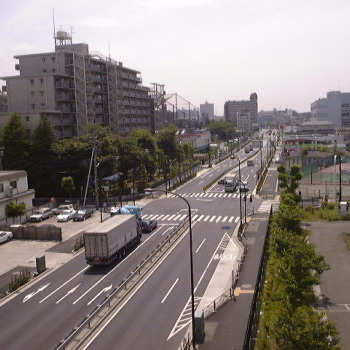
{"points": [[150, 190], [240, 193], [339, 178]]}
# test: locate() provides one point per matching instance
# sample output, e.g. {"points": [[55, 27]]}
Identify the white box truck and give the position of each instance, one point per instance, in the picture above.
{"points": [[110, 240]]}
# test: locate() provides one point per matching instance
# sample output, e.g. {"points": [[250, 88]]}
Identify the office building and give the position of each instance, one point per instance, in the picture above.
{"points": [[335, 108], [75, 87], [207, 110], [233, 108]]}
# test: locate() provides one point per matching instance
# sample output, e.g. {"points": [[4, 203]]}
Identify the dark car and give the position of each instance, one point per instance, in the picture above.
{"points": [[221, 182], [148, 225], [82, 214]]}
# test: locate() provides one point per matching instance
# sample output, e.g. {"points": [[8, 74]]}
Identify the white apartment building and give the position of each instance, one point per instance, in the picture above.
{"points": [[232, 108], [75, 87], [335, 108], [244, 122], [14, 189], [199, 139]]}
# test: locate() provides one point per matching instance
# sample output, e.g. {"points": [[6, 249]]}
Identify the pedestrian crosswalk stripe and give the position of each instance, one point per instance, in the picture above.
{"points": [[207, 218], [154, 217], [212, 218], [183, 217], [195, 217], [210, 194], [177, 217], [172, 216], [225, 195], [225, 218], [231, 218], [218, 219], [160, 217], [165, 217], [236, 220], [197, 194], [200, 218], [215, 195], [220, 195], [144, 216]]}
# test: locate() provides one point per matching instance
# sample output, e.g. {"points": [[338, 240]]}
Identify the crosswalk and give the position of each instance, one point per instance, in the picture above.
{"points": [[206, 195], [266, 205], [197, 217]]}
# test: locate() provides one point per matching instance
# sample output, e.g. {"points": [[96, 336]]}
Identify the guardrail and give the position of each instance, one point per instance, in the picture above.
{"points": [[90, 323]]}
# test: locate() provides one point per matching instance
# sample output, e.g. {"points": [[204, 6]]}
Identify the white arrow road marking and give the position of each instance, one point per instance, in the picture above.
{"points": [[29, 296], [102, 291], [69, 292]]}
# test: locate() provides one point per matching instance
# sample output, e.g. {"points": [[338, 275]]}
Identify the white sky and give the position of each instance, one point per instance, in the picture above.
{"points": [[290, 52]]}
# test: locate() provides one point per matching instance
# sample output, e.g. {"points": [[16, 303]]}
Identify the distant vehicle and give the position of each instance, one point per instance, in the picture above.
{"points": [[61, 208], [148, 225], [82, 215], [250, 163], [5, 236], [222, 181], [40, 215], [246, 149], [106, 242], [231, 183], [277, 159], [127, 209], [244, 187], [66, 215], [251, 147], [232, 157]]}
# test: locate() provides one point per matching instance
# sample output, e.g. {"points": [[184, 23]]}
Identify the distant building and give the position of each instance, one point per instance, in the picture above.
{"points": [[14, 189], [3, 101], [199, 139], [75, 87], [244, 122], [233, 108], [335, 108], [207, 110], [317, 127]]}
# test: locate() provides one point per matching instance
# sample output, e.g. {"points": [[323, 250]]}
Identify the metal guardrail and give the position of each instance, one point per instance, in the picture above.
{"points": [[77, 335]]}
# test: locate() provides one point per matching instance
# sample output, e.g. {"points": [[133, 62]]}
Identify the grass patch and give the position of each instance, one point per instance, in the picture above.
{"points": [[329, 212], [346, 238]]}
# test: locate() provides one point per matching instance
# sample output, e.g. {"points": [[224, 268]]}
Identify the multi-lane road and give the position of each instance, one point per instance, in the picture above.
{"points": [[156, 315]]}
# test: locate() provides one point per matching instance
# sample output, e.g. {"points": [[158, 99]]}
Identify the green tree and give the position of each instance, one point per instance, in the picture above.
{"points": [[223, 128], [14, 210], [16, 144], [289, 181], [67, 185]]}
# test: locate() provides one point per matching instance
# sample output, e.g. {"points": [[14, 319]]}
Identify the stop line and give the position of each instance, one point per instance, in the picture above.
{"points": [[180, 217]]}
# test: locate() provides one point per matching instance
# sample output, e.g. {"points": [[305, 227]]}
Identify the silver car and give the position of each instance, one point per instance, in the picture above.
{"points": [[41, 214], [5, 236]]}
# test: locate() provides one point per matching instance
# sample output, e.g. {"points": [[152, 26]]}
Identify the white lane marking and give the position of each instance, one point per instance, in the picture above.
{"points": [[195, 217], [57, 289], [210, 195], [225, 218], [165, 217], [215, 195], [219, 195], [169, 291], [29, 296], [218, 219], [155, 217], [207, 218], [160, 217], [97, 295], [134, 292], [68, 293], [231, 218], [183, 217], [169, 228], [211, 175], [200, 182], [171, 217], [236, 220], [225, 195], [197, 194], [212, 218], [199, 247], [177, 217], [145, 216], [200, 218]]}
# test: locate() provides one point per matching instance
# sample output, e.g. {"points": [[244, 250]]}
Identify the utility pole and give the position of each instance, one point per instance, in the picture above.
{"points": [[339, 178], [96, 177]]}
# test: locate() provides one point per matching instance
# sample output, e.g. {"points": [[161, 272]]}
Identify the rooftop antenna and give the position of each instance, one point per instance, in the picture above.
{"points": [[71, 34], [109, 49], [54, 27]]}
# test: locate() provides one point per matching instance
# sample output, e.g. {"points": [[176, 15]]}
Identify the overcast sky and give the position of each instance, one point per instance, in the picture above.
{"points": [[290, 52]]}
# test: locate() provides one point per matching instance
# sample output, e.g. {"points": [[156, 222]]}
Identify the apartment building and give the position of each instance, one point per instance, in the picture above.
{"points": [[75, 87], [207, 110], [14, 189], [244, 122], [335, 108], [233, 108]]}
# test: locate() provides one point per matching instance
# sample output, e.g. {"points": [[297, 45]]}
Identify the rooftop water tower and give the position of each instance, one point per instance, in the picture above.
{"points": [[63, 38]]}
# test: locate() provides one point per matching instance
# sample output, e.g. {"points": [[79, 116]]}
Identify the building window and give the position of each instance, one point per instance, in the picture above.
{"points": [[41, 93], [42, 104], [27, 118], [53, 59], [1, 188], [32, 93], [13, 184], [54, 70], [41, 81], [31, 81], [33, 106], [44, 59], [44, 71]]}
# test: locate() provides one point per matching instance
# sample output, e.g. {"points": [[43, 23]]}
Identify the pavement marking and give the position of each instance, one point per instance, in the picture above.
{"points": [[207, 218], [236, 220], [197, 194], [200, 245], [225, 218], [219, 195], [169, 291], [29, 296], [218, 219], [154, 217], [177, 217], [231, 218], [57, 289], [211, 175], [212, 218], [98, 294], [211, 195], [215, 195], [200, 218], [195, 217], [160, 217], [200, 182], [145, 216], [169, 228], [68, 293], [171, 217], [239, 290], [183, 217]]}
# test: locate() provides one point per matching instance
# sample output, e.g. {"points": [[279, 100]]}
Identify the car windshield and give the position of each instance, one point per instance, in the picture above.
{"points": [[65, 212], [2, 234], [82, 212]]}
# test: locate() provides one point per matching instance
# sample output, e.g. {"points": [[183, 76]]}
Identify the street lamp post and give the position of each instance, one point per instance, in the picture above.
{"points": [[240, 193], [191, 258], [339, 178]]}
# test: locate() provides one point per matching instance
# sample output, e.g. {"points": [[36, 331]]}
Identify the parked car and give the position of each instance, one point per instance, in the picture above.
{"points": [[148, 225], [221, 182], [5, 236], [66, 215], [82, 215], [40, 215], [61, 208], [250, 162], [244, 187]]}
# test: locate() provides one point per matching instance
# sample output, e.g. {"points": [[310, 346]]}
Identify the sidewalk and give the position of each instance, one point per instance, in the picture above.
{"points": [[227, 328]]}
